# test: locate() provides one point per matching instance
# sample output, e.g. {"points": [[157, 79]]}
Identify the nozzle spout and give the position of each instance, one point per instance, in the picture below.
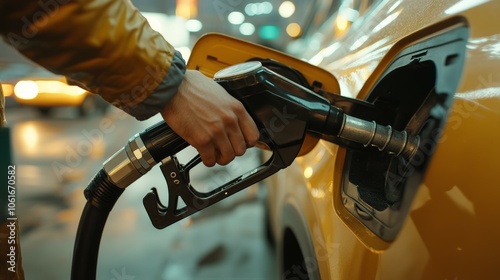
{"points": [[385, 138]]}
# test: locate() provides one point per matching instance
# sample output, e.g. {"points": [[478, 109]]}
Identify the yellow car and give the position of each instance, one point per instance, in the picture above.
{"points": [[433, 68], [428, 67], [36, 87]]}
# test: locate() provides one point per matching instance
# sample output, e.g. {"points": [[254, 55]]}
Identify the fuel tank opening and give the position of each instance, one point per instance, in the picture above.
{"points": [[414, 93], [404, 92]]}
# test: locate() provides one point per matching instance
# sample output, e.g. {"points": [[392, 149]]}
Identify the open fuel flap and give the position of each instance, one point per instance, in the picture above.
{"points": [[414, 87], [214, 51]]}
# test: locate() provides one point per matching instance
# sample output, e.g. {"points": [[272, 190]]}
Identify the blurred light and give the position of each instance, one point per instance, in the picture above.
{"points": [[464, 5], [30, 89], [186, 8], [349, 14], [172, 28], [247, 28], [75, 90], [185, 52], [341, 23], [308, 172], [359, 42], [26, 90], [318, 58], [269, 32], [194, 25], [286, 9], [265, 7], [7, 89], [394, 6], [293, 29], [386, 21], [236, 18], [58, 87], [317, 193], [251, 9], [493, 49], [30, 137], [254, 9]]}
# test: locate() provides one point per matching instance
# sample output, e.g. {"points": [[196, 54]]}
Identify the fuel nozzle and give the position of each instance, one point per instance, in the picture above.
{"points": [[268, 96]]}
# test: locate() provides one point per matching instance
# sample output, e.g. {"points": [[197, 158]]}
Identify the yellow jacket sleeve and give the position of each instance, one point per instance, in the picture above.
{"points": [[104, 46]]}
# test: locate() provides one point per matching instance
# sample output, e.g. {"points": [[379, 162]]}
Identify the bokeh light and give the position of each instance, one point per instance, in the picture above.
{"points": [[247, 29], [286, 9]]}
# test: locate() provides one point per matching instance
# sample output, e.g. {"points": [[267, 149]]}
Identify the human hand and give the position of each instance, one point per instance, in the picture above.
{"points": [[209, 119]]}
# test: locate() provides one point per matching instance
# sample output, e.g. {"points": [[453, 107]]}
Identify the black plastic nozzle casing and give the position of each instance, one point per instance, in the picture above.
{"points": [[161, 141], [284, 110]]}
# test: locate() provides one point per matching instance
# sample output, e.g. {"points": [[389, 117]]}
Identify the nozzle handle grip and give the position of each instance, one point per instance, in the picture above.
{"points": [[161, 141]]}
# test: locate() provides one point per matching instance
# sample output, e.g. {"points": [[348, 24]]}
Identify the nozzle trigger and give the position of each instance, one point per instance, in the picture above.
{"points": [[162, 216], [180, 188]]}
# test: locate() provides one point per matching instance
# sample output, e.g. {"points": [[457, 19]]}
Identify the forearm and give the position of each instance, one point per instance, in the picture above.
{"points": [[168, 87], [105, 46]]}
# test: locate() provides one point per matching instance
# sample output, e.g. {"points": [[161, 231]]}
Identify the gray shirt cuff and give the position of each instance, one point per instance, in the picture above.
{"points": [[163, 93]]}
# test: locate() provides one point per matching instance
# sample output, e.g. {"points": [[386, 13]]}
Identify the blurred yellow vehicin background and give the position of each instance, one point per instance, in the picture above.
{"points": [[30, 85]]}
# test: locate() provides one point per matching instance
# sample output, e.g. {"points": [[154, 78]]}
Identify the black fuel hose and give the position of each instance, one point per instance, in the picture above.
{"points": [[101, 196], [142, 152]]}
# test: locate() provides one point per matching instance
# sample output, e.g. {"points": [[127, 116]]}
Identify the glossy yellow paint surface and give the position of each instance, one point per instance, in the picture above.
{"points": [[213, 52], [451, 231]]}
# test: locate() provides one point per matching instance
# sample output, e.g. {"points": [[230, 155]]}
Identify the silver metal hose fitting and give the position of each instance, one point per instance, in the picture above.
{"points": [[129, 163], [385, 138]]}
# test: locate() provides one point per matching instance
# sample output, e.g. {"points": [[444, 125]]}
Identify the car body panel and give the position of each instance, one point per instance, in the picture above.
{"points": [[450, 231], [54, 93], [53, 100], [52, 90]]}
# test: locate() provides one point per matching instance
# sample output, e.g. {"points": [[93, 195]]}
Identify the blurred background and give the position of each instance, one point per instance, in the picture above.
{"points": [[62, 134]]}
